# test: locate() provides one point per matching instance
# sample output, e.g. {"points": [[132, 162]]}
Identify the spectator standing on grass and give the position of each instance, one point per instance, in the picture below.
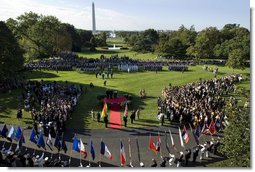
{"points": [[19, 114], [125, 120], [106, 121], [98, 116], [132, 117]]}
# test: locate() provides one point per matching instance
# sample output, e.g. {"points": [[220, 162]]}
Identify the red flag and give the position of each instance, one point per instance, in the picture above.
{"points": [[152, 145], [212, 127], [122, 154]]}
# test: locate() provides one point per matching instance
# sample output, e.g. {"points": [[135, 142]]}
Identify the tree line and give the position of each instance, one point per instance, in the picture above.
{"points": [[232, 43], [43, 36]]}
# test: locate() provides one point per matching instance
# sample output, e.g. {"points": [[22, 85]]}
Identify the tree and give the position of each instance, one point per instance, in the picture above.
{"points": [[11, 55], [101, 39], [146, 41], [236, 59], [236, 140], [205, 42], [76, 39], [40, 36], [175, 43], [85, 37]]}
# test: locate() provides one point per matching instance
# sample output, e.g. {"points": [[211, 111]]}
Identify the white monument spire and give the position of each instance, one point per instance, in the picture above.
{"points": [[93, 19]]}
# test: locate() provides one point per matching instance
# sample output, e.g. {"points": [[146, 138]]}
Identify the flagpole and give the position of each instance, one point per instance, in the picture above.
{"points": [[138, 151], [4, 144], [89, 156], [100, 157], [160, 148], [70, 155], [171, 137], [129, 150], [34, 151], [182, 144], [192, 131], [80, 157], [167, 145]]}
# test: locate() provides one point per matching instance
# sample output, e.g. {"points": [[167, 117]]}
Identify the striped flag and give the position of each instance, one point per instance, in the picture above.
{"points": [[158, 145], [104, 111], [122, 154], [185, 135], [105, 151], [82, 149], [11, 134]]}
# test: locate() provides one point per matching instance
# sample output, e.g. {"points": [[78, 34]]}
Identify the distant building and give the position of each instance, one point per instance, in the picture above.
{"points": [[112, 34]]}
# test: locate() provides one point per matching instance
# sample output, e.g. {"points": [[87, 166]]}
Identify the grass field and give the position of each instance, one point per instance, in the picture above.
{"points": [[125, 83], [109, 53]]}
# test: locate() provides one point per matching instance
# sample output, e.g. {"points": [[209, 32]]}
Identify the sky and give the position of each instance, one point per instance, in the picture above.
{"points": [[136, 14]]}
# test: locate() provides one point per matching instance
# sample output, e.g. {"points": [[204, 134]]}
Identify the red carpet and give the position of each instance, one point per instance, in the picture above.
{"points": [[115, 116]]}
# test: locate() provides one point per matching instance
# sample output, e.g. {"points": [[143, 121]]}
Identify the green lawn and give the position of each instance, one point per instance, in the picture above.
{"points": [[126, 84], [109, 53]]}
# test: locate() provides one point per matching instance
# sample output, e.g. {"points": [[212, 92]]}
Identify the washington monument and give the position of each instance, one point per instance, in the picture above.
{"points": [[93, 19]]}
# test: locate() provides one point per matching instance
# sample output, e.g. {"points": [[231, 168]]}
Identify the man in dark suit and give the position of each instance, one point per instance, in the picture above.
{"points": [[125, 120], [106, 121]]}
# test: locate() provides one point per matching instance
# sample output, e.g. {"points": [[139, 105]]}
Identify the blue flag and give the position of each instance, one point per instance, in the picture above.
{"points": [[63, 144], [92, 150], [33, 136], [76, 144], [4, 131], [18, 134], [40, 141]]}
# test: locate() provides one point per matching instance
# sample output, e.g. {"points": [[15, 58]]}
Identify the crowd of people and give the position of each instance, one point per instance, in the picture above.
{"points": [[50, 104], [68, 61], [153, 67], [178, 67], [8, 85], [197, 103], [16, 158]]}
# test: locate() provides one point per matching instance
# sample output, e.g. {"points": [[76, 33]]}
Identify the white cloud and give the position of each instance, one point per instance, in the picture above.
{"points": [[80, 17]]}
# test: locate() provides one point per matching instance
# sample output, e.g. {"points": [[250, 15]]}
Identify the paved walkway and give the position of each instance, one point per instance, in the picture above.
{"points": [[111, 138]]}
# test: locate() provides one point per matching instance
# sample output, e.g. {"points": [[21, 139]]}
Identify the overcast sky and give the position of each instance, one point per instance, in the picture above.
{"points": [[136, 14]]}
